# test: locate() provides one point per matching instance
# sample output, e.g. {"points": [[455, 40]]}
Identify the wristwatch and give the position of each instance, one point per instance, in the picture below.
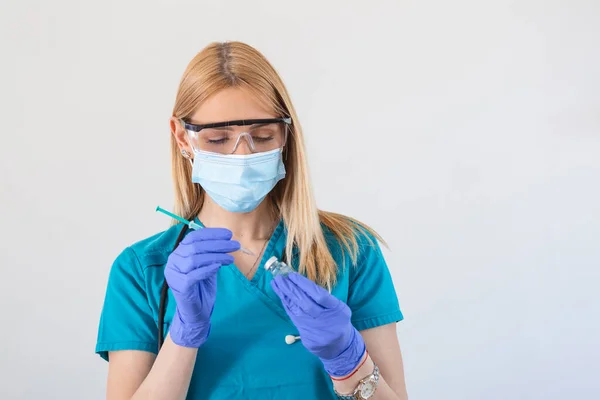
{"points": [[365, 389]]}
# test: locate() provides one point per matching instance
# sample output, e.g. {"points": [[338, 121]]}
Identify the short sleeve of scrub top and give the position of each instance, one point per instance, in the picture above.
{"points": [[371, 293], [245, 356], [126, 322]]}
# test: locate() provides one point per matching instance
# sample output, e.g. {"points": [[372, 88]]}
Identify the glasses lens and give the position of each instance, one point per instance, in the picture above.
{"points": [[225, 140], [268, 137]]}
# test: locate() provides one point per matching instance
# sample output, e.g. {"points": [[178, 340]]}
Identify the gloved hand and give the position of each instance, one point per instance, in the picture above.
{"points": [[191, 273], [323, 322]]}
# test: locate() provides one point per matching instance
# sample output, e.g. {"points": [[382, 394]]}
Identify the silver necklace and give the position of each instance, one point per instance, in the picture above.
{"points": [[260, 255]]}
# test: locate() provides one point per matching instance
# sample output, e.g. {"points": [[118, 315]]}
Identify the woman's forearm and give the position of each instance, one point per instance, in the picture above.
{"points": [[383, 392], [169, 378]]}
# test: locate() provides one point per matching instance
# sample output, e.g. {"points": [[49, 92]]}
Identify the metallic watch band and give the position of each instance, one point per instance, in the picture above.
{"points": [[373, 379]]}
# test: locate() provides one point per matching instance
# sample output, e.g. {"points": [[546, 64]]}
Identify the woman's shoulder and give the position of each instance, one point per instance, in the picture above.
{"points": [[343, 231], [364, 280], [352, 243], [155, 249]]}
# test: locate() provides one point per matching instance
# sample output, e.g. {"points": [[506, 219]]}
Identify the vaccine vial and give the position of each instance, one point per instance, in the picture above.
{"points": [[276, 267]]}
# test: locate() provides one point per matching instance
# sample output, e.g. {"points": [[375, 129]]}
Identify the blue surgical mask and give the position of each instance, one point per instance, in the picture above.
{"points": [[238, 183]]}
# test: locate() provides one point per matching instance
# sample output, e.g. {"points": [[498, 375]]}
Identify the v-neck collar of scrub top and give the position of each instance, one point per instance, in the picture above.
{"points": [[260, 284]]}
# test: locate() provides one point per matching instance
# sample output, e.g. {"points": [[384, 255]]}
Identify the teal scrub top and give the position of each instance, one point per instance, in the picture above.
{"points": [[245, 356]]}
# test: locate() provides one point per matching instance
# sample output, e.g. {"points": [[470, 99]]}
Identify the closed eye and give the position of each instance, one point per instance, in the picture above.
{"points": [[262, 139]]}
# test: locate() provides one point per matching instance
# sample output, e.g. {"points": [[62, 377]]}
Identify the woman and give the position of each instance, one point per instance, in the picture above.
{"points": [[239, 170]]}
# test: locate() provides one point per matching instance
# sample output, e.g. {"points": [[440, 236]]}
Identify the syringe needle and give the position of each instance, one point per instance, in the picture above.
{"points": [[195, 226], [246, 251]]}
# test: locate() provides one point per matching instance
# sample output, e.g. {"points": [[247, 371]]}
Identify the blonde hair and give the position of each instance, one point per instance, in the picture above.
{"points": [[235, 64]]}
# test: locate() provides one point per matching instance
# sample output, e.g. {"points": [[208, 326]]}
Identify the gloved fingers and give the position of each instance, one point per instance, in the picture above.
{"points": [[319, 295], [197, 275], [289, 304], [176, 280], [180, 282], [291, 307], [275, 286], [207, 234], [298, 298], [281, 287], [208, 246], [198, 261]]}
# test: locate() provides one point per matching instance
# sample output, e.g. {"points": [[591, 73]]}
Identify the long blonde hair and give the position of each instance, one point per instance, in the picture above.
{"points": [[235, 64]]}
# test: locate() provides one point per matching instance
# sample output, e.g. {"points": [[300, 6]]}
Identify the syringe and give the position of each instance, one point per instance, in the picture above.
{"points": [[195, 226]]}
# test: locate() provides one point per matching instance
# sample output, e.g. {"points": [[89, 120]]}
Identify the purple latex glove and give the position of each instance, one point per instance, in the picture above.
{"points": [[191, 273], [323, 322]]}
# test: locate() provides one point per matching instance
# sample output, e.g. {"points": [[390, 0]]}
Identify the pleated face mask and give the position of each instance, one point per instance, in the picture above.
{"points": [[238, 183]]}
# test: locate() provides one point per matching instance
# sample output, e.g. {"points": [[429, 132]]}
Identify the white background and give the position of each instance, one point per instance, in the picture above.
{"points": [[466, 132]]}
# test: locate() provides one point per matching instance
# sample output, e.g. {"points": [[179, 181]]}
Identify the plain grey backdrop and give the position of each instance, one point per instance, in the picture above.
{"points": [[466, 132]]}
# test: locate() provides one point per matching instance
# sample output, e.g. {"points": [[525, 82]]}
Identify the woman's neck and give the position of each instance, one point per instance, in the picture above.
{"points": [[252, 226]]}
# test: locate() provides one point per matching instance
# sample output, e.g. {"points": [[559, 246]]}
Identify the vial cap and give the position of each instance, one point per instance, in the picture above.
{"points": [[270, 262]]}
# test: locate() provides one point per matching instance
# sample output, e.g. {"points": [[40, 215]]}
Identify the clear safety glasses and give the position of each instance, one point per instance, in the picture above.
{"points": [[224, 137]]}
